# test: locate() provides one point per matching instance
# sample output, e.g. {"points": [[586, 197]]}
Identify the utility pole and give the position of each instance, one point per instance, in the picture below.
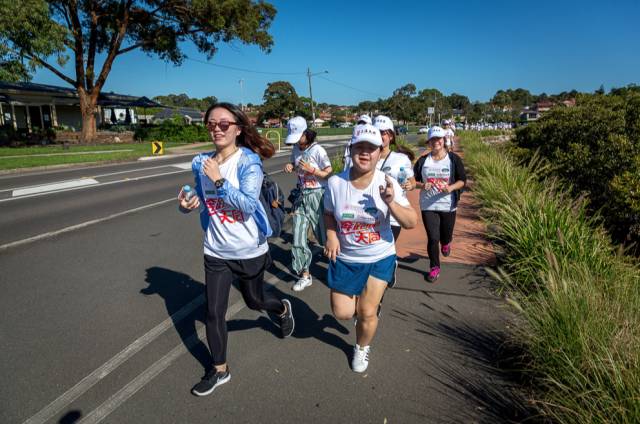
{"points": [[241, 94], [313, 112]]}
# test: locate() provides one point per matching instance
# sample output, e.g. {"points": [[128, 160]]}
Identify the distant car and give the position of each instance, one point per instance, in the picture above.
{"points": [[401, 130], [423, 130], [459, 126]]}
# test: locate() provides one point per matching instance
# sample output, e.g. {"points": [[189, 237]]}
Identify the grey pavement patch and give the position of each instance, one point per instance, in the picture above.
{"points": [[131, 388], [82, 225]]}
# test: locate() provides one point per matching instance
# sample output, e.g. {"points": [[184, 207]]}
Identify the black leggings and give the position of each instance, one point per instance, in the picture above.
{"points": [[219, 273], [439, 227]]}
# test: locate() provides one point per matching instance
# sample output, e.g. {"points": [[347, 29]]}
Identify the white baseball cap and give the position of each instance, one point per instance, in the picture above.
{"points": [[295, 128], [383, 123], [366, 118], [368, 133], [435, 132]]}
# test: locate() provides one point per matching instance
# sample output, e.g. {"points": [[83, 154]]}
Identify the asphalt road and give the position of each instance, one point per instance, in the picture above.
{"points": [[102, 322]]}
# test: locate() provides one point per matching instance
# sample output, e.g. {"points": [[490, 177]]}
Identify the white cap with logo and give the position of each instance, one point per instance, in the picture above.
{"points": [[383, 123], [295, 128], [368, 133], [364, 118], [435, 132]]}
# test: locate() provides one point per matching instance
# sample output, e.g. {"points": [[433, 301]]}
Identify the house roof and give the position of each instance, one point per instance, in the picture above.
{"points": [[105, 99]]}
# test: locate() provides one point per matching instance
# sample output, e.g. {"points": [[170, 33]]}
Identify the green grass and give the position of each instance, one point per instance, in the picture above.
{"points": [[578, 297], [8, 159]]}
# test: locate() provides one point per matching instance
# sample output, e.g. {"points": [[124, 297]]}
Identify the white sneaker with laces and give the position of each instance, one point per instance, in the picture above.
{"points": [[302, 283], [360, 360]]}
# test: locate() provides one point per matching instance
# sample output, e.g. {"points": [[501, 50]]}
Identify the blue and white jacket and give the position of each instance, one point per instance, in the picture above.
{"points": [[246, 197]]}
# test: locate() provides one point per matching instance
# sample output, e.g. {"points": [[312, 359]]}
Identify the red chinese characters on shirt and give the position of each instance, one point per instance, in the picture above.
{"points": [[362, 232], [307, 180], [217, 207]]}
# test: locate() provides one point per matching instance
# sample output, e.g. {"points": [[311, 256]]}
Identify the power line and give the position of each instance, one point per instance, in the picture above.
{"points": [[244, 70], [352, 88]]}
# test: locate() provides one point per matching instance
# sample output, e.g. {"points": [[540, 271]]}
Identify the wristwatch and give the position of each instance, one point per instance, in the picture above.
{"points": [[219, 183]]}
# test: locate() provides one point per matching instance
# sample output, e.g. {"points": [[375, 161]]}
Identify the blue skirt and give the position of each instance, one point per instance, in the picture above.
{"points": [[351, 277]]}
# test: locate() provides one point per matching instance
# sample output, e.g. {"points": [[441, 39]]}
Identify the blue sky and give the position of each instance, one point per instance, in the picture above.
{"points": [[471, 47]]}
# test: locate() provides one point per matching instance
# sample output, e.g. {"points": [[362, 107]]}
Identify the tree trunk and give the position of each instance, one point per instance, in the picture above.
{"points": [[88, 110]]}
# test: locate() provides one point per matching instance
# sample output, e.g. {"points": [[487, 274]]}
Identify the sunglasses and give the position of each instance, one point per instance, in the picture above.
{"points": [[223, 125]]}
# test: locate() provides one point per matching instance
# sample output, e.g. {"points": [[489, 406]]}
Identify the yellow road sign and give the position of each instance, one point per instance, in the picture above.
{"points": [[156, 148]]}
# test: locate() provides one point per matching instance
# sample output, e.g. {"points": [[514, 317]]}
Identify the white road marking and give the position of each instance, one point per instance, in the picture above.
{"points": [[82, 225], [185, 165], [45, 188], [131, 388], [93, 186], [141, 380]]}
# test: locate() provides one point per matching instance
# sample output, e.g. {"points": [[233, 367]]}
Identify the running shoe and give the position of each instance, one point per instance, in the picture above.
{"points": [[287, 323], [210, 381], [446, 249], [302, 283], [433, 274], [360, 360]]}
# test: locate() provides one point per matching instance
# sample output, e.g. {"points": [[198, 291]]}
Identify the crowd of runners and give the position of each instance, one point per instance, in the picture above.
{"points": [[356, 215]]}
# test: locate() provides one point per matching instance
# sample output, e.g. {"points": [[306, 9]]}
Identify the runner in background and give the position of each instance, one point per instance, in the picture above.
{"points": [[449, 138], [236, 226], [359, 203], [391, 162], [313, 167], [441, 176]]}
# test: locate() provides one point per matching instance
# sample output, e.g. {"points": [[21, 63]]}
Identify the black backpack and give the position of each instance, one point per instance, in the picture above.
{"points": [[272, 200]]}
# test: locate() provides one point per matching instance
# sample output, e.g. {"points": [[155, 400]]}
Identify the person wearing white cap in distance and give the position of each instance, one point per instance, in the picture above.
{"points": [[448, 135], [359, 203], [313, 168], [441, 176]]}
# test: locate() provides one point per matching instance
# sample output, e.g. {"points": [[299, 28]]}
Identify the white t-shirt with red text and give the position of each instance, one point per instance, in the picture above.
{"points": [[231, 234], [362, 217], [317, 157], [438, 173]]}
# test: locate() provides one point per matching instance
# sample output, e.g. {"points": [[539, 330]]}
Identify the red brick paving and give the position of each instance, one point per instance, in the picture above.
{"points": [[469, 246]]}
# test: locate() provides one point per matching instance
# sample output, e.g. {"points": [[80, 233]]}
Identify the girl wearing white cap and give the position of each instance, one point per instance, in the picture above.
{"points": [[441, 176], [359, 203], [236, 226], [396, 164], [313, 167]]}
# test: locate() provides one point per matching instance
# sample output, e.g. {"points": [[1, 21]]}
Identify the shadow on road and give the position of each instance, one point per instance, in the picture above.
{"points": [[177, 289]]}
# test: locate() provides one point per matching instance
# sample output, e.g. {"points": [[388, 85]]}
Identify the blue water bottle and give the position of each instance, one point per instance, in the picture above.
{"points": [[188, 192], [402, 176]]}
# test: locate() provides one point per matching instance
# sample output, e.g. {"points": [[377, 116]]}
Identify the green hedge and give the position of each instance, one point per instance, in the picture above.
{"points": [[595, 147], [578, 298]]}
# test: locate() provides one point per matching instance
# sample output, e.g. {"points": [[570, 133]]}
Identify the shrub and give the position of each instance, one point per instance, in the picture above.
{"points": [[595, 146]]}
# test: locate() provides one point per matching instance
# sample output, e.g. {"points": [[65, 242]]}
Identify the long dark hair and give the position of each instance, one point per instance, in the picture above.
{"points": [[400, 149], [249, 137]]}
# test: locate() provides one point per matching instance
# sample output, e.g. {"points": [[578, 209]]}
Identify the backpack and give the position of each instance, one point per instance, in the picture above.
{"points": [[272, 200]]}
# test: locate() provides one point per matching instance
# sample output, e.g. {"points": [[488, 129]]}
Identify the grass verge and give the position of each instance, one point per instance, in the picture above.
{"points": [[578, 296], [28, 157]]}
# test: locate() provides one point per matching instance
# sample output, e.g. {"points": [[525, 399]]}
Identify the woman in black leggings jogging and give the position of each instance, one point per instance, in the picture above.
{"points": [[228, 182], [441, 176]]}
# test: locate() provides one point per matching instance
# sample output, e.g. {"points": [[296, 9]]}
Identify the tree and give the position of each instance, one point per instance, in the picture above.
{"points": [[87, 28], [280, 99]]}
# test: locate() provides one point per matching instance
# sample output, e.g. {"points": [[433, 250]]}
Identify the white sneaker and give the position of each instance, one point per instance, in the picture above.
{"points": [[360, 360], [302, 283]]}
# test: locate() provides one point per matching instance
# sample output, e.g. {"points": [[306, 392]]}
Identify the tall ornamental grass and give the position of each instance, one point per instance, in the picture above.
{"points": [[579, 296]]}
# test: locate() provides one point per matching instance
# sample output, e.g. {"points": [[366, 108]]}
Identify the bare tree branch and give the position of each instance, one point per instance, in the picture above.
{"points": [[77, 35]]}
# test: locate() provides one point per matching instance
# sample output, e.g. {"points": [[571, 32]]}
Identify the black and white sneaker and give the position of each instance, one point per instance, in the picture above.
{"points": [[210, 381], [287, 323]]}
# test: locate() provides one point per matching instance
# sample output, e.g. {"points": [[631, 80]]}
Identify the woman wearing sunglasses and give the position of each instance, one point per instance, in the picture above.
{"points": [[228, 182], [359, 203]]}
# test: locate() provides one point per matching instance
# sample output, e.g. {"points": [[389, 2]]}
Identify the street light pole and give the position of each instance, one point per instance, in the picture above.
{"points": [[313, 112], [241, 93]]}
